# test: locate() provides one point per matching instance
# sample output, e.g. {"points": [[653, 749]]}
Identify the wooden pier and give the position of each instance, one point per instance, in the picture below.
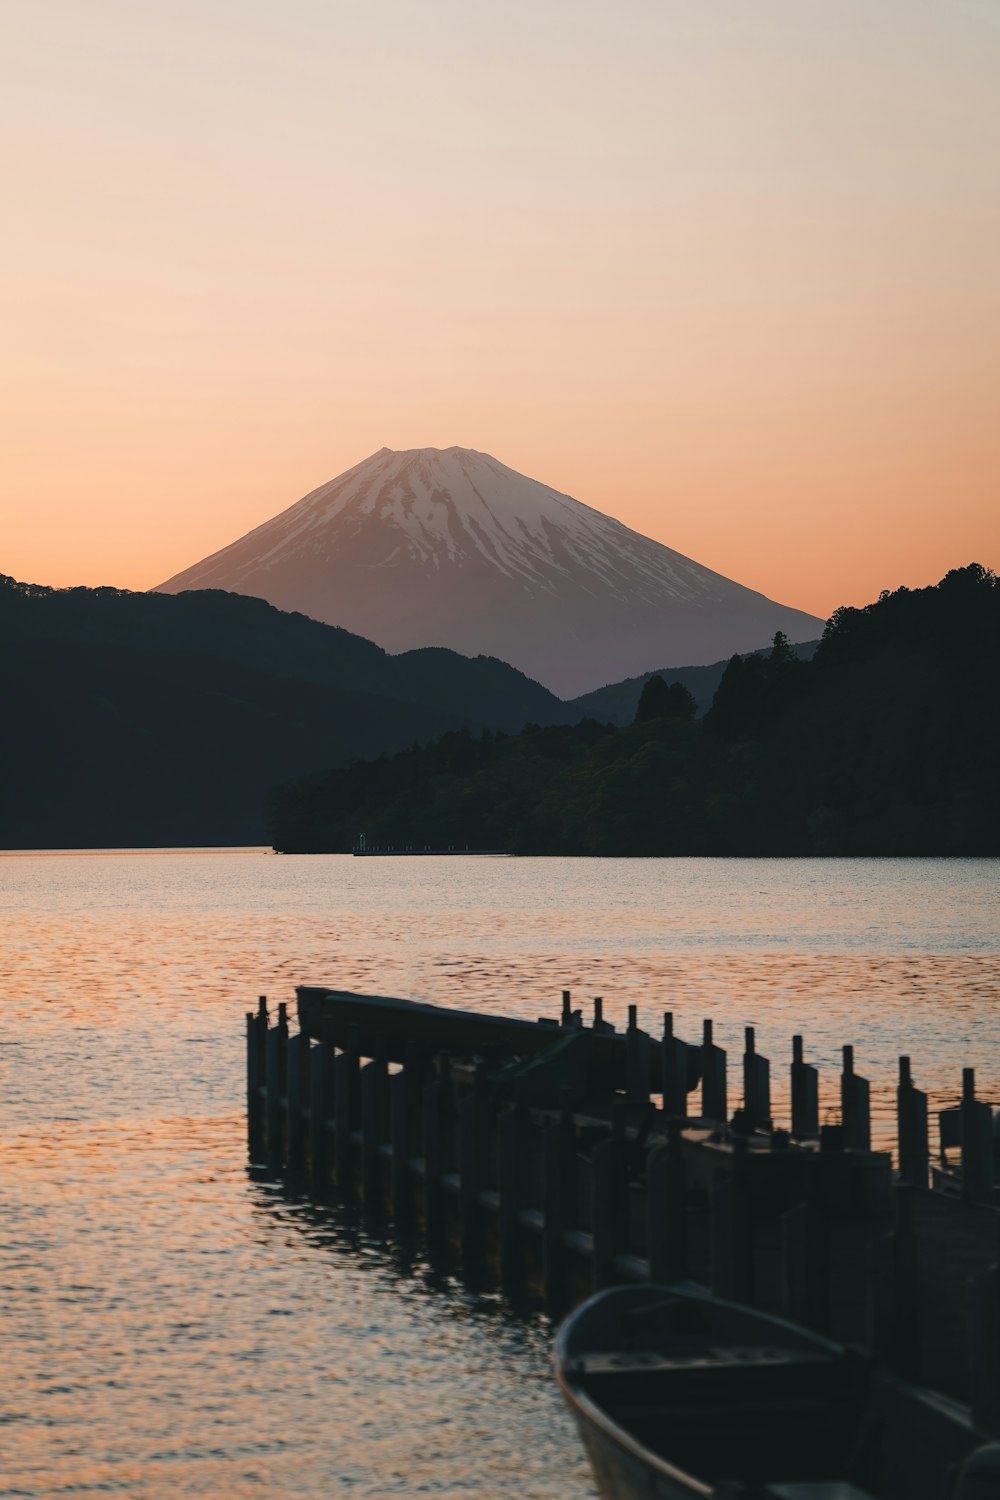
{"points": [[569, 1158]]}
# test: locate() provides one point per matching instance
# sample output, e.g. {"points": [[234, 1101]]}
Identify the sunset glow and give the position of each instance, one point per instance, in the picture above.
{"points": [[727, 273]]}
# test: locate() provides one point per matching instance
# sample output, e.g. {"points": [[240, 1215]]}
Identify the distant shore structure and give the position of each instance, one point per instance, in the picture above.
{"points": [[362, 847]]}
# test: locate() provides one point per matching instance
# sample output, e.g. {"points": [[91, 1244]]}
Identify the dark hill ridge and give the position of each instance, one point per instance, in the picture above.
{"points": [[163, 719], [115, 745], [246, 630], [617, 702], [155, 719], [884, 743]]}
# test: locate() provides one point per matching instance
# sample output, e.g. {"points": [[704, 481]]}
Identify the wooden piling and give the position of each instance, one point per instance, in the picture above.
{"points": [[756, 1085], [805, 1094], [610, 1198], [805, 1261], [511, 1165], [600, 1025], [977, 1143], [911, 1127], [894, 1296], [296, 1084], [402, 1094], [714, 1105], [984, 1327], [559, 1197], [673, 1070], [730, 1231], [604, 1159], [277, 1042], [473, 1128], [346, 1110], [666, 1209], [321, 1065], [256, 1077], [437, 1124], [855, 1105], [374, 1086], [637, 1058]]}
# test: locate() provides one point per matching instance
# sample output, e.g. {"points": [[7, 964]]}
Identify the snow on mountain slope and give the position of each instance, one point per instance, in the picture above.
{"points": [[449, 547]]}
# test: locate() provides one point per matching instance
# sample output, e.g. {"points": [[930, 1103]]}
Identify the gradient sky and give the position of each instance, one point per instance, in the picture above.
{"points": [[728, 270]]}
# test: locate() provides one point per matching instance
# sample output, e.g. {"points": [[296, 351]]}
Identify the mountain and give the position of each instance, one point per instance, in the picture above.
{"points": [[150, 719], [617, 703], [255, 634], [114, 745], [449, 547]]}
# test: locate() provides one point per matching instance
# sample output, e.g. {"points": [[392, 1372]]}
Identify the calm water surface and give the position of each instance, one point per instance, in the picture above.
{"points": [[171, 1328]]}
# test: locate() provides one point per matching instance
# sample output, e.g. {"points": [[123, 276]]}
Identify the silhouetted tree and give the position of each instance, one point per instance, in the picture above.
{"points": [[782, 652], [682, 703], [654, 700], [658, 701]]}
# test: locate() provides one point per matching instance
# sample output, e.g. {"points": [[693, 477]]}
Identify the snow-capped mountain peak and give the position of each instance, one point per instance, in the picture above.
{"points": [[448, 546]]}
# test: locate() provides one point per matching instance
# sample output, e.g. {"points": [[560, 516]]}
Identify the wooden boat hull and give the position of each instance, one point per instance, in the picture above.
{"points": [[680, 1396], [384, 1026]]}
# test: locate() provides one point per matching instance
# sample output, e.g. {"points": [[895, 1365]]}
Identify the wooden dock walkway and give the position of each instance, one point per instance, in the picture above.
{"points": [[539, 1175]]}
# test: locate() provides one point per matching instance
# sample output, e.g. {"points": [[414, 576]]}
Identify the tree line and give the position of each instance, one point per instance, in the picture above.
{"points": [[886, 742]]}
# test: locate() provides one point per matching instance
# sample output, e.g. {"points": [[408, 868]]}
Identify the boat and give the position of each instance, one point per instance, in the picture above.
{"points": [[386, 1026], [682, 1396]]}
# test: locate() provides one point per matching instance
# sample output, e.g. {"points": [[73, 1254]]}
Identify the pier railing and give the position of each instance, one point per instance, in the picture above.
{"points": [[552, 1188]]}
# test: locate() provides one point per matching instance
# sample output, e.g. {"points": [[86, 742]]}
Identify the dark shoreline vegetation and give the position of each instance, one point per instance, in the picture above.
{"points": [[156, 720], [165, 719], [886, 742]]}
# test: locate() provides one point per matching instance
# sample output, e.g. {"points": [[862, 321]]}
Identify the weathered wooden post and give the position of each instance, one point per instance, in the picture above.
{"points": [[610, 1198], [256, 1060], [277, 1042], [894, 1304], [345, 1106], [984, 1325], [321, 1065], [805, 1094], [566, 1019], [673, 1069], [637, 1058], [559, 1169], [374, 1086], [472, 1147], [405, 1100], [756, 1084], [667, 1208], [713, 1078], [437, 1126], [600, 1025], [512, 1129], [805, 1260], [911, 1126], [730, 1230], [977, 1143], [296, 1065], [855, 1105]]}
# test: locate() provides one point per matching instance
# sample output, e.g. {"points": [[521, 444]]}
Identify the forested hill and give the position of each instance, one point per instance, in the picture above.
{"points": [[252, 633], [154, 719], [884, 743], [617, 702]]}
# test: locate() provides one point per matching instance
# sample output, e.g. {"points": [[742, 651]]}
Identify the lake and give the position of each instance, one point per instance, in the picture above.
{"points": [[173, 1328]]}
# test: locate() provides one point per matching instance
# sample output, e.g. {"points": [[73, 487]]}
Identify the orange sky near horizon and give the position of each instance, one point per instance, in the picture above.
{"points": [[727, 272]]}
